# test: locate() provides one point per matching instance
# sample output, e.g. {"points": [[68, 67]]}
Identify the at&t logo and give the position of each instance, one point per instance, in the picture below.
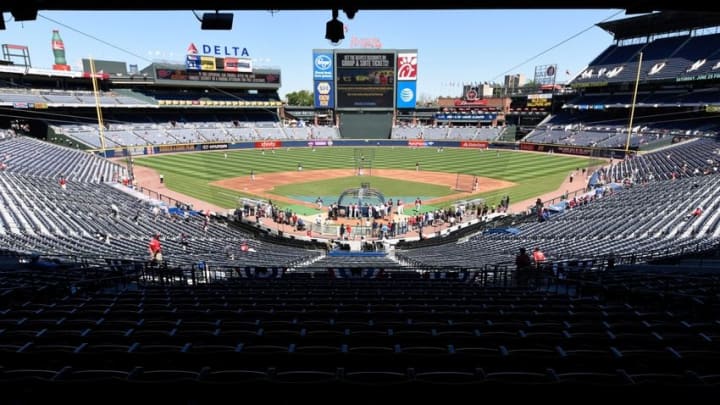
{"points": [[406, 95]]}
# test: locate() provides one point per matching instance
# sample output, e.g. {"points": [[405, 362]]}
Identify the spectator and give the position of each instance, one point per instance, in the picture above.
{"points": [[115, 211], [695, 213], [183, 241], [155, 249], [539, 257], [523, 261], [523, 266]]}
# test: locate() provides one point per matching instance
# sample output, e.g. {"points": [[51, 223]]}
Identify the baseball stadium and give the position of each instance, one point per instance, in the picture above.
{"points": [[179, 225]]}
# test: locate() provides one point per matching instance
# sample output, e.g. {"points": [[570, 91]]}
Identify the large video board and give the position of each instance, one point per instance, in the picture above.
{"points": [[365, 80]]}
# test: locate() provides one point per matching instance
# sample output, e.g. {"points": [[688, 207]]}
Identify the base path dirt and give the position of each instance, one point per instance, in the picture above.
{"points": [[264, 183], [148, 178]]}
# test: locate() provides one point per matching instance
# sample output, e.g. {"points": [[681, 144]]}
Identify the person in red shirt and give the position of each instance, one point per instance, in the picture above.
{"points": [[63, 183], [155, 248], [539, 257], [695, 213]]}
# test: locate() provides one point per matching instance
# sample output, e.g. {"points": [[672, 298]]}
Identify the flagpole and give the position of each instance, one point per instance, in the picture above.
{"points": [[632, 107]]}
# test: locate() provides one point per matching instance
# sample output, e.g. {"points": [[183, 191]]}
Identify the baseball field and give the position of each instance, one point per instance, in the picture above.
{"points": [[297, 177]]}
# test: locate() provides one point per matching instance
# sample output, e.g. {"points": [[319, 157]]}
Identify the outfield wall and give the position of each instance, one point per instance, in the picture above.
{"points": [[399, 143]]}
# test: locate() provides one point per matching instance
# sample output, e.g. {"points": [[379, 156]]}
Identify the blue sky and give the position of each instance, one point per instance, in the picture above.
{"points": [[453, 46]]}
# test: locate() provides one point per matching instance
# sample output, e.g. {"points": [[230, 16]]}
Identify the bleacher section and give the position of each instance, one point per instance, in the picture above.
{"points": [[646, 218], [696, 157], [58, 98], [676, 47], [285, 338], [31, 157], [444, 133], [608, 129], [37, 216], [674, 58], [153, 133]]}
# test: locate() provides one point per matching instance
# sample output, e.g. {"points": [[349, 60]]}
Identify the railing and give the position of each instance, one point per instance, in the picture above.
{"points": [[155, 195]]}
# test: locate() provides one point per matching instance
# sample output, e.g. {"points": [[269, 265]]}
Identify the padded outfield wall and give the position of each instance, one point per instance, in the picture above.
{"points": [[411, 143]]}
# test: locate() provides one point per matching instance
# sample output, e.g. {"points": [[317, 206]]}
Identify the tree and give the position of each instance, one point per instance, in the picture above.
{"points": [[300, 98]]}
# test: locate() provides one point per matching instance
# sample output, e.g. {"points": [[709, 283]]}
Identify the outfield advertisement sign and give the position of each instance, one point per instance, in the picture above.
{"points": [[573, 150], [215, 146], [320, 142], [419, 143], [466, 117], [268, 144], [474, 144], [176, 148]]}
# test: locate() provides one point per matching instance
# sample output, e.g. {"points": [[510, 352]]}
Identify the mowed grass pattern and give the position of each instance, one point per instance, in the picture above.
{"points": [[534, 173]]}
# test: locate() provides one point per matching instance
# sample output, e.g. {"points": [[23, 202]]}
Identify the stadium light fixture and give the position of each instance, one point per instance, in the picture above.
{"points": [[350, 12], [217, 21], [335, 29], [24, 14]]}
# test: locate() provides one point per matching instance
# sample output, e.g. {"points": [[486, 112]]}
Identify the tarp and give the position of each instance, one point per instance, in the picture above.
{"points": [[502, 231]]}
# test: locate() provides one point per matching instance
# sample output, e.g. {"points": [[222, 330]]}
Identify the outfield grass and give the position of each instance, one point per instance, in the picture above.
{"points": [[534, 173]]}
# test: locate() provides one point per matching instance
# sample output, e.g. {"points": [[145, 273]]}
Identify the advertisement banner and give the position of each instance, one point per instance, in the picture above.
{"points": [[320, 142], [235, 65], [528, 146], [208, 76], [415, 143], [573, 150], [192, 62], [268, 144], [214, 146], [407, 66], [406, 94], [539, 102], [207, 63], [322, 65], [174, 148], [466, 117], [324, 94], [474, 144]]}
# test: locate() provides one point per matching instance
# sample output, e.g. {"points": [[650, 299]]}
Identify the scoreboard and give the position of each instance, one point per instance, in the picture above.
{"points": [[365, 80], [358, 79]]}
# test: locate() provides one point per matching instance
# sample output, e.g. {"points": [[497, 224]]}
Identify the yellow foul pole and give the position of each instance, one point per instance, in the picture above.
{"points": [[96, 92], [632, 107]]}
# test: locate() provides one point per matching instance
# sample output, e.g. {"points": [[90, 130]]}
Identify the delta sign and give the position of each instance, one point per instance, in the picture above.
{"points": [[218, 50]]}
